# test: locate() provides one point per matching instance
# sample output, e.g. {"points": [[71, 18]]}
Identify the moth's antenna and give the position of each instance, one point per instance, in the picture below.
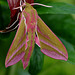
{"points": [[40, 4], [32, 4]]}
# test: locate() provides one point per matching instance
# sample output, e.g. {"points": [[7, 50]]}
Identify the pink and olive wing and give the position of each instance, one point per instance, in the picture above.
{"points": [[29, 50], [50, 43], [17, 48]]}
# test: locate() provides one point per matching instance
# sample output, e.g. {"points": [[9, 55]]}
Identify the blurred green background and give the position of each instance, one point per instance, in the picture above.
{"points": [[63, 25]]}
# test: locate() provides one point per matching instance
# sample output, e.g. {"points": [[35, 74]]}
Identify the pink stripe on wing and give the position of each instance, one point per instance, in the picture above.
{"points": [[53, 54], [15, 60], [15, 53], [52, 47]]}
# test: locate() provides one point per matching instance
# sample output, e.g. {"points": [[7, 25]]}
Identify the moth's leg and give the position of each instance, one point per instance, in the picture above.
{"points": [[6, 31], [14, 22], [24, 1], [13, 28], [20, 5]]}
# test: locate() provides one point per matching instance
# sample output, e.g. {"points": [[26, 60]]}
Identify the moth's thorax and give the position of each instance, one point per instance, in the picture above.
{"points": [[30, 15]]}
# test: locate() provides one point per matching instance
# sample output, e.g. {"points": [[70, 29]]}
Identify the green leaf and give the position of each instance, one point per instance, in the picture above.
{"points": [[71, 51], [4, 3], [36, 62], [42, 1], [58, 8], [4, 18]]}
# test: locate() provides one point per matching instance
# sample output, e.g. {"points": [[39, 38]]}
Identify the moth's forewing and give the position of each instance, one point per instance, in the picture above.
{"points": [[31, 21], [49, 42], [29, 50], [17, 48]]}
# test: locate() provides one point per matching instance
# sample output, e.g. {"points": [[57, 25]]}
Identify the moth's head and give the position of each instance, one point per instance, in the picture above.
{"points": [[27, 5]]}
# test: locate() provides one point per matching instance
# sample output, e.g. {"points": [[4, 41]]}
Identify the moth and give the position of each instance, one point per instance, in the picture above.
{"points": [[31, 30]]}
